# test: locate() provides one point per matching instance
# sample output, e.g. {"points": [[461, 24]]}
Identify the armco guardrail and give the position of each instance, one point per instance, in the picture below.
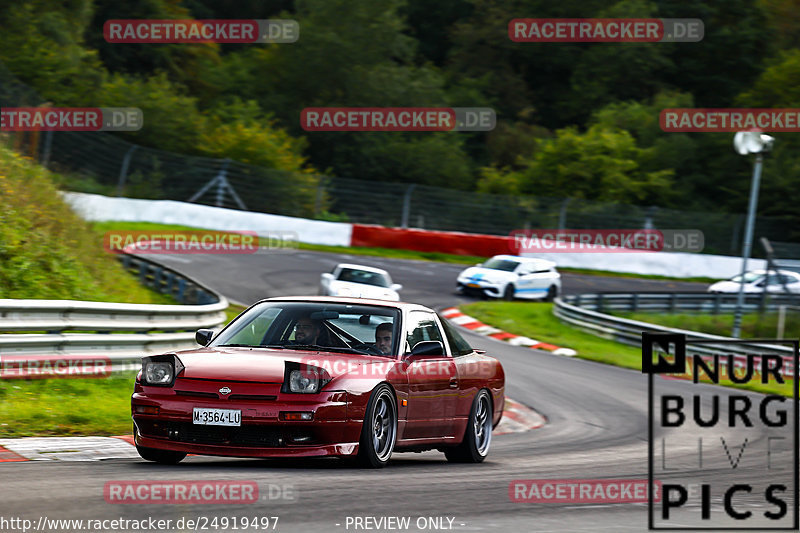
{"points": [[121, 332], [670, 302], [574, 309]]}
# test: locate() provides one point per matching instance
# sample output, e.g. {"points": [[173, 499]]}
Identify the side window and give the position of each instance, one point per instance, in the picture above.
{"points": [[422, 327], [458, 346]]}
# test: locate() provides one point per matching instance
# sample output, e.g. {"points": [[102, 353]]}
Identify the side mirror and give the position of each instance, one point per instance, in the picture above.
{"points": [[424, 349], [203, 336], [327, 276], [396, 287]]}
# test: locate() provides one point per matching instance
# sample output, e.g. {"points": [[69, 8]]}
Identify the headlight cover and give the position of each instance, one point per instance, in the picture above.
{"points": [[160, 370], [304, 379]]}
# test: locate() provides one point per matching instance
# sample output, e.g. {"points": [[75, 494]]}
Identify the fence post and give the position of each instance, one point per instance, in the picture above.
{"points": [[600, 302], [318, 200], [48, 144], [123, 172], [635, 302], [648, 220], [407, 205], [562, 214]]}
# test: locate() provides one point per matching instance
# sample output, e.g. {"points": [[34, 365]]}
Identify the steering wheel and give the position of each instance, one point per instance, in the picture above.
{"points": [[368, 348]]}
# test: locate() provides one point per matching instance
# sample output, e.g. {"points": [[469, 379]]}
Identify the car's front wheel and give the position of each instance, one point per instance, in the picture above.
{"points": [[164, 457], [478, 437], [379, 431]]}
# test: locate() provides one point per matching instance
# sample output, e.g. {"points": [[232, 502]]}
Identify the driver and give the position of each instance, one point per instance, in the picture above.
{"points": [[306, 331], [383, 337]]}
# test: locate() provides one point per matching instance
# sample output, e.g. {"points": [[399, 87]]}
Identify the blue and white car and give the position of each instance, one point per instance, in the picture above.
{"points": [[511, 276]]}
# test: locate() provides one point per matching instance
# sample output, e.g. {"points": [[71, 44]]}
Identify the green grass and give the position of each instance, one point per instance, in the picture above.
{"points": [[66, 407], [536, 320], [754, 325], [47, 251]]}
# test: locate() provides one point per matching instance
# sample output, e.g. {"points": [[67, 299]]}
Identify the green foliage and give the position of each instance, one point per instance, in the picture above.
{"points": [[600, 164], [574, 119]]}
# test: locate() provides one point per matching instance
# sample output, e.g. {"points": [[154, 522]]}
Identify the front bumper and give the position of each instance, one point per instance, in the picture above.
{"points": [[480, 288], [262, 432]]}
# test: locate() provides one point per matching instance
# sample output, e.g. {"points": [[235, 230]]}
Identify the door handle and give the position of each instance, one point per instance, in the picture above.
{"points": [[453, 383]]}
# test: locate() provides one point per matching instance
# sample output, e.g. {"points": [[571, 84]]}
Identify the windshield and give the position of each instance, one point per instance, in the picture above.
{"points": [[363, 276], [749, 277], [333, 327], [501, 264]]}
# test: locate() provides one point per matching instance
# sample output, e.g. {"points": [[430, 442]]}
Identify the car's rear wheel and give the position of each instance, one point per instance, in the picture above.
{"points": [[164, 457], [508, 294], [478, 436], [379, 431]]}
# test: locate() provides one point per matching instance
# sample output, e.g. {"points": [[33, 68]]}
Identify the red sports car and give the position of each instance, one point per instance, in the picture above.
{"points": [[321, 376]]}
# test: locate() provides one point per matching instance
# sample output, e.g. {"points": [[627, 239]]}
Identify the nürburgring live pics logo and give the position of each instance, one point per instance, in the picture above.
{"points": [[738, 447]]}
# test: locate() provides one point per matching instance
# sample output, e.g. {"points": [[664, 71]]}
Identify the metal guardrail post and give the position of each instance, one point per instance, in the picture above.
{"points": [[634, 302], [599, 305], [143, 273], [181, 296], [672, 299]]}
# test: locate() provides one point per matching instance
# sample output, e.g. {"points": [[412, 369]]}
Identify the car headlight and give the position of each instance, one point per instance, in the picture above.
{"points": [[304, 379], [160, 370]]}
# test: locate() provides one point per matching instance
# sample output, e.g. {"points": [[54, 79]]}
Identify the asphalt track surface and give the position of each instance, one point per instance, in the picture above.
{"points": [[596, 429]]}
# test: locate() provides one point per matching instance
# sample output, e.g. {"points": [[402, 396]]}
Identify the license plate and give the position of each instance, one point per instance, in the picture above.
{"points": [[217, 417], [473, 285]]}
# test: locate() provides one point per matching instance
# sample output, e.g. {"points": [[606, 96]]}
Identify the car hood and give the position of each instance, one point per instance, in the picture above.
{"points": [[266, 365], [477, 274]]}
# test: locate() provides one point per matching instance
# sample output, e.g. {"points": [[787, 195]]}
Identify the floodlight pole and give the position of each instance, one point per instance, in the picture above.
{"points": [[748, 241]]}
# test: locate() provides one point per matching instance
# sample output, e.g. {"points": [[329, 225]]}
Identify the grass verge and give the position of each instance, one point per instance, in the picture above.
{"points": [[47, 251], [754, 325], [536, 320], [66, 407]]}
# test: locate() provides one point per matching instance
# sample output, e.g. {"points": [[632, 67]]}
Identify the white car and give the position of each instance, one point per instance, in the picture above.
{"points": [[511, 276], [359, 281], [755, 281]]}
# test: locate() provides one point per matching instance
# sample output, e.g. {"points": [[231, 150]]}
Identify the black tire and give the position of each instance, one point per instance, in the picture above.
{"points": [[508, 293], [478, 435], [552, 292], [164, 457], [379, 432]]}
